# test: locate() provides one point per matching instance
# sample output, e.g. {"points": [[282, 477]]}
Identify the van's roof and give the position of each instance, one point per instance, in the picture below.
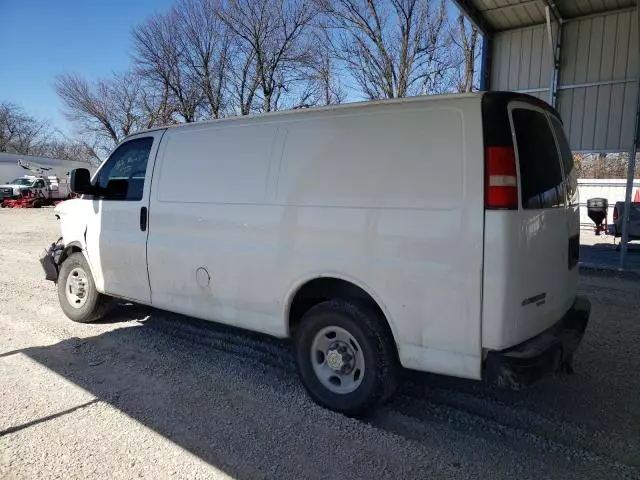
{"points": [[303, 111]]}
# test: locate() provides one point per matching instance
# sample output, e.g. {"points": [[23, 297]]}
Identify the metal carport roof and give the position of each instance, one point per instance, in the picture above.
{"points": [[582, 56], [499, 15]]}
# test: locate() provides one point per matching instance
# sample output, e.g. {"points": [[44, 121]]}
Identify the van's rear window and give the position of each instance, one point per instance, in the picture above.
{"points": [[541, 184], [570, 173]]}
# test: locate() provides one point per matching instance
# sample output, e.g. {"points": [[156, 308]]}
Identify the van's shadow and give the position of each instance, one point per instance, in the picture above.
{"points": [[201, 387], [228, 396], [232, 397]]}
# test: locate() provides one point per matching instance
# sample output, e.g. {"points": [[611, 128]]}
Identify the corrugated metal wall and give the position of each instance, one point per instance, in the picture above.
{"points": [[598, 75], [521, 61]]}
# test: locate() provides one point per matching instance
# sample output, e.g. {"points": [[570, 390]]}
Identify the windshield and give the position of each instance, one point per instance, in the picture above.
{"points": [[21, 181]]}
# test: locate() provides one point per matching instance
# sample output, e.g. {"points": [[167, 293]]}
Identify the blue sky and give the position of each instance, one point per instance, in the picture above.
{"points": [[42, 38]]}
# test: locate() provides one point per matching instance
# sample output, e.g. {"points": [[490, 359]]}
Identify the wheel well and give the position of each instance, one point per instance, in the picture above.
{"points": [[322, 289], [69, 249]]}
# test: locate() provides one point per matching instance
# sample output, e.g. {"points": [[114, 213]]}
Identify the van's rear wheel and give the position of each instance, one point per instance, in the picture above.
{"points": [[79, 299], [346, 356]]}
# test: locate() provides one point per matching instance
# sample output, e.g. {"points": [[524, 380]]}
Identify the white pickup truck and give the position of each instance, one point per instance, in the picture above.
{"points": [[47, 188]]}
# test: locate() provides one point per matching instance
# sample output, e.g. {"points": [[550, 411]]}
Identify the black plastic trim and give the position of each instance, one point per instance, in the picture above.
{"points": [[495, 116], [528, 362]]}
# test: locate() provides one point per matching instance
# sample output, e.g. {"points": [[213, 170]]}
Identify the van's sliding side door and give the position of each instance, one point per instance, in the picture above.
{"points": [[117, 227]]}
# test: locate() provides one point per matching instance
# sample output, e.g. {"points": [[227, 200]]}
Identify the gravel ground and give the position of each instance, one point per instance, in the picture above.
{"points": [[150, 394]]}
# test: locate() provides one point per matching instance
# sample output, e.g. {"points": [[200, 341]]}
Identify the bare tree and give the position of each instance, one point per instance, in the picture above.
{"points": [[24, 134], [271, 34], [160, 56], [603, 165], [243, 80], [106, 111], [323, 70], [210, 58], [70, 149], [205, 45], [467, 41], [155, 105], [391, 48], [21, 133]]}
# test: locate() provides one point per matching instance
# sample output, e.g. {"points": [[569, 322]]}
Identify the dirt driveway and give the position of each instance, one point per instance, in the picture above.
{"points": [[155, 395]]}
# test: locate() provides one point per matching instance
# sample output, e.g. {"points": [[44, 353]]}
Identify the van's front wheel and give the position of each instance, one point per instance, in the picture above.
{"points": [[79, 299], [345, 356]]}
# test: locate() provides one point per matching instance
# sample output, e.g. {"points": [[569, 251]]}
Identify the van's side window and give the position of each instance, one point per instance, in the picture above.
{"points": [[122, 176], [541, 183], [570, 173]]}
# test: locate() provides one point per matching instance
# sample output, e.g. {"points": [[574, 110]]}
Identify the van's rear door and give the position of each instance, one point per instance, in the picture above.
{"points": [[531, 248]]}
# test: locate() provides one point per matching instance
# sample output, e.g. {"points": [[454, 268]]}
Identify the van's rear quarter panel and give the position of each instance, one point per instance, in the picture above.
{"points": [[391, 199]]}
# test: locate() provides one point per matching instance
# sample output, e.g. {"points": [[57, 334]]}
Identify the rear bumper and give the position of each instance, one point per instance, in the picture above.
{"points": [[524, 364]]}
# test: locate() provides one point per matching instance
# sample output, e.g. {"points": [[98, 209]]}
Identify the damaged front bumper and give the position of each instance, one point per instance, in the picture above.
{"points": [[528, 362], [50, 260]]}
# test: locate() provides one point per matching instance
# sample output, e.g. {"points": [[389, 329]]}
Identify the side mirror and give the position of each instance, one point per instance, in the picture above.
{"points": [[80, 181]]}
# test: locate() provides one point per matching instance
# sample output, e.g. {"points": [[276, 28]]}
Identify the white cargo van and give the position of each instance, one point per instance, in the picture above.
{"points": [[437, 234]]}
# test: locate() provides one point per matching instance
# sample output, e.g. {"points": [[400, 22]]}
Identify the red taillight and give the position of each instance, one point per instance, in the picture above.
{"points": [[501, 178]]}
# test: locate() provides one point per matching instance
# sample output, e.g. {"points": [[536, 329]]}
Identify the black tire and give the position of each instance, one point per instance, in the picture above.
{"points": [[370, 330], [96, 304]]}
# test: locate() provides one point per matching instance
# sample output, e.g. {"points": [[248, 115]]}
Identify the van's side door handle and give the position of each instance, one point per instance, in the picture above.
{"points": [[143, 219]]}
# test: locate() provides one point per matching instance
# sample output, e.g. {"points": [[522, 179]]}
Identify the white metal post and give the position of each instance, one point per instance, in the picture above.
{"points": [[554, 52], [627, 197], [631, 169]]}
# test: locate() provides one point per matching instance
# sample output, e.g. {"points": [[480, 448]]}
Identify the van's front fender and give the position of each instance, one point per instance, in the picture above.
{"points": [[73, 221]]}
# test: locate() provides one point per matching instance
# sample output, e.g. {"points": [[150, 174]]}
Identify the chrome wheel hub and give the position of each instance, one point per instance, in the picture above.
{"points": [[76, 287], [334, 360], [337, 360]]}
